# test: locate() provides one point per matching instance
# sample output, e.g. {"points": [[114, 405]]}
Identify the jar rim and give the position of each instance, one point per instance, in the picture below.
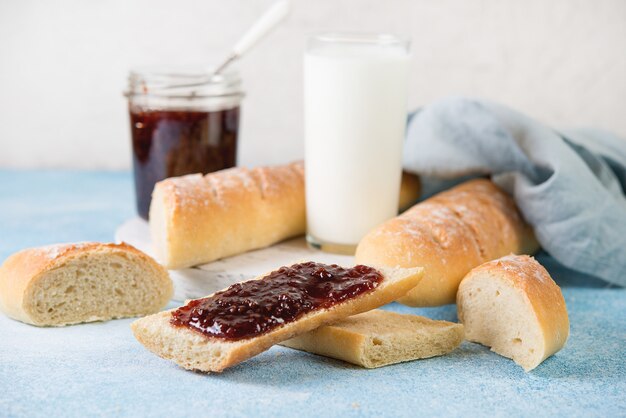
{"points": [[183, 82]]}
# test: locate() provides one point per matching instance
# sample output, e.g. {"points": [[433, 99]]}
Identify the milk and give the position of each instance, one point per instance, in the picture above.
{"points": [[355, 108]]}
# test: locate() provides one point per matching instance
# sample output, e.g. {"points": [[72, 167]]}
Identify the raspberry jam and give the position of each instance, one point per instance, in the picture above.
{"points": [[252, 308], [183, 120], [170, 143]]}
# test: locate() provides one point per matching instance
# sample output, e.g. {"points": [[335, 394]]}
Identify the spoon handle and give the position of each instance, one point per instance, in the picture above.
{"points": [[268, 21]]}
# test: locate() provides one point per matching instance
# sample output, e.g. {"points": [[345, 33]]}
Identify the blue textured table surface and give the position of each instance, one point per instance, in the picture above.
{"points": [[99, 369]]}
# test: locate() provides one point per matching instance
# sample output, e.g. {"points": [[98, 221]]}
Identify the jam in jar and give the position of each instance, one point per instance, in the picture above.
{"points": [[181, 123]]}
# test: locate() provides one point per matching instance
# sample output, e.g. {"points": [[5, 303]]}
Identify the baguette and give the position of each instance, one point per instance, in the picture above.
{"points": [[410, 190], [449, 234], [67, 284], [194, 350], [513, 306], [378, 338], [197, 219]]}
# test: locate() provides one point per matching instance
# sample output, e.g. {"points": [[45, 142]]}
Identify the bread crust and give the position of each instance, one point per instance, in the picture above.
{"points": [[195, 351], [197, 219], [449, 234], [23, 270], [378, 338], [410, 190], [534, 284]]}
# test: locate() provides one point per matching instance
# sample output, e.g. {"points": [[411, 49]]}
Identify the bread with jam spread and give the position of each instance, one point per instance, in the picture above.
{"points": [[449, 234], [230, 326], [65, 284]]}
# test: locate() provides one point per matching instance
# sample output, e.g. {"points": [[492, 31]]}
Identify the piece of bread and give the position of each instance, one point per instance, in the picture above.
{"points": [[197, 219], [196, 351], [513, 306], [378, 338], [449, 234], [67, 284], [410, 189]]}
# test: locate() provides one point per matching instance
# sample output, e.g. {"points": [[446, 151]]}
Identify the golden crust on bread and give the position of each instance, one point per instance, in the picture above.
{"points": [[513, 306], [30, 279], [449, 234]]}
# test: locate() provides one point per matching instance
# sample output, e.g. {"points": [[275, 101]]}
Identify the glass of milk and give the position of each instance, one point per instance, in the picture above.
{"points": [[355, 112]]}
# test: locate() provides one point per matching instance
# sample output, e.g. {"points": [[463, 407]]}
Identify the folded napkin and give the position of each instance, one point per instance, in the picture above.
{"points": [[569, 185]]}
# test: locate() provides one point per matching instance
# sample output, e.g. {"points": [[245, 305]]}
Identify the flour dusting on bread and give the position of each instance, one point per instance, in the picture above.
{"points": [[513, 306]]}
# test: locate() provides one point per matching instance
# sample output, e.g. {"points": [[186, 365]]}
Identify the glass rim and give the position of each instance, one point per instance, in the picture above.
{"points": [[360, 38]]}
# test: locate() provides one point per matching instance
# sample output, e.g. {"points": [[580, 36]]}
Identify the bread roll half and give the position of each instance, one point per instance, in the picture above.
{"points": [[449, 234], [67, 284], [513, 306]]}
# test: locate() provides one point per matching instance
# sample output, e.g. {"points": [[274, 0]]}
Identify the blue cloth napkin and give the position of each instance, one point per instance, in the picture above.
{"points": [[569, 185]]}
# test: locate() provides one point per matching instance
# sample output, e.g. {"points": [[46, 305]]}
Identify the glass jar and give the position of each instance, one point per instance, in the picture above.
{"points": [[181, 122]]}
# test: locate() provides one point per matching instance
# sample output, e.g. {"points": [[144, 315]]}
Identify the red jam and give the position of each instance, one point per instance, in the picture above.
{"points": [[175, 143], [252, 308]]}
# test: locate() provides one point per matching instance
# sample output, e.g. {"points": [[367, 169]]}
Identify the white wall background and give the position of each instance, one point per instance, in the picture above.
{"points": [[63, 65]]}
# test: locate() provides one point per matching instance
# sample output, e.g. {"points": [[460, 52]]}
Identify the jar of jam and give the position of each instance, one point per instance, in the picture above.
{"points": [[181, 122]]}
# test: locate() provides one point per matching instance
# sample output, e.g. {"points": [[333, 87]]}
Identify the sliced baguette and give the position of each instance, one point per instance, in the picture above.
{"points": [[449, 234], [379, 338], [410, 190], [65, 284], [196, 219], [513, 306], [195, 351]]}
